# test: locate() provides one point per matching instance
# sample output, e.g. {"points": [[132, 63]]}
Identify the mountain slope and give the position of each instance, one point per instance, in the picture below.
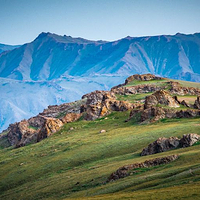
{"points": [[50, 56]]}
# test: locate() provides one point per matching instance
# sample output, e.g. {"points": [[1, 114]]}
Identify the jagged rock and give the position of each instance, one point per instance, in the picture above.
{"points": [[189, 139], [197, 103], [101, 103], [184, 104], [58, 111], [160, 97], [71, 117], [165, 144], [124, 171], [32, 130], [176, 88], [161, 145], [20, 131], [98, 96], [50, 126]]}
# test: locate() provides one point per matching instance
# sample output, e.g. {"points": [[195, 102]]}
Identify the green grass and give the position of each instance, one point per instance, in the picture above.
{"points": [[133, 97], [76, 163], [154, 82]]}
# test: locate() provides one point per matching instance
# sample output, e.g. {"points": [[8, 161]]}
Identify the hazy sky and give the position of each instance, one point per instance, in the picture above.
{"points": [[22, 20]]}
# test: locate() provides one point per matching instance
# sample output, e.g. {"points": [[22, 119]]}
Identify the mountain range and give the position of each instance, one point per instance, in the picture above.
{"points": [[54, 69]]}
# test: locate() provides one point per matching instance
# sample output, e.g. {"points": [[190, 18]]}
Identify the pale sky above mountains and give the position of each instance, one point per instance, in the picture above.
{"points": [[22, 20]]}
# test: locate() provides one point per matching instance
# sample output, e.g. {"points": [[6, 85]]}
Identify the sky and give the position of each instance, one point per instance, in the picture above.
{"points": [[22, 20]]}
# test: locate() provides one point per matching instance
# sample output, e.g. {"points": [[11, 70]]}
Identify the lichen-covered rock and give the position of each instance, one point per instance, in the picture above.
{"points": [[58, 111], [189, 139], [124, 171], [20, 131], [165, 144], [161, 145], [50, 126], [71, 117], [101, 103], [160, 97]]}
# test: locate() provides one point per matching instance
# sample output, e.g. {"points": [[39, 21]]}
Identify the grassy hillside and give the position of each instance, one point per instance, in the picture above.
{"points": [[75, 162]]}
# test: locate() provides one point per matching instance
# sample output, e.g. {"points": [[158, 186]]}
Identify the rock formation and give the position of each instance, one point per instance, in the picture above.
{"points": [[161, 145], [166, 144], [101, 103], [124, 171], [189, 139], [160, 97]]}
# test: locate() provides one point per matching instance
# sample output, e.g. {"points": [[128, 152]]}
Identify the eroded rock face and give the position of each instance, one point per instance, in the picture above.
{"points": [[71, 117], [50, 126], [166, 144], [161, 145], [160, 97], [101, 103], [20, 131], [189, 139], [23, 133], [58, 111], [124, 171]]}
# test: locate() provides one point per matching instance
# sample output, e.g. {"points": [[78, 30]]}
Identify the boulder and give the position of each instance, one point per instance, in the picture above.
{"points": [[160, 97], [161, 145], [189, 139]]}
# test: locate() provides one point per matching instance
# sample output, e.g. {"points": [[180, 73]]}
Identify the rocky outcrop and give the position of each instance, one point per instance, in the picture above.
{"points": [[189, 139], [166, 144], [101, 103], [20, 131], [71, 117], [160, 97], [59, 111], [32, 130], [153, 114], [50, 126], [176, 88], [136, 89], [125, 170], [161, 145]]}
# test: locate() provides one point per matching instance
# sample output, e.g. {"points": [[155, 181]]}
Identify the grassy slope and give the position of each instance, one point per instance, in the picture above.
{"points": [[53, 168], [76, 163]]}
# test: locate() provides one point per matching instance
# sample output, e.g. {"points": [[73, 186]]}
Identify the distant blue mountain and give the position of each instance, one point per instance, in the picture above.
{"points": [[50, 56], [54, 69], [5, 47]]}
